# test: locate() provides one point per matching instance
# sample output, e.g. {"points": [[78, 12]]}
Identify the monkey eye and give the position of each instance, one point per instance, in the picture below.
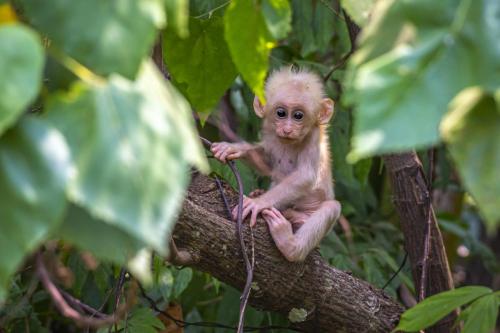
{"points": [[298, 115], [281, 113]]}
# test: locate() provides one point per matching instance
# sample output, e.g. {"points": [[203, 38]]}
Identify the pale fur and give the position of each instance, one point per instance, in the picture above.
{"points": [[302, 186]]}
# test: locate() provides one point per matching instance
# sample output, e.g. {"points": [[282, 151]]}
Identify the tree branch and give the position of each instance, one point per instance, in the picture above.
{"points": [[333, 300], [412, 201]]}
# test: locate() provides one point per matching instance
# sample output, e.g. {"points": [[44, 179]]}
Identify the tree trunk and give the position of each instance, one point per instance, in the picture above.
{"points": [[334, 300], [411, 199]]}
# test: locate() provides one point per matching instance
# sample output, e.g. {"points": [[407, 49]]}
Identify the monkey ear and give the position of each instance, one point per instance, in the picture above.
{"points": [[326, 111], [258, 107]]}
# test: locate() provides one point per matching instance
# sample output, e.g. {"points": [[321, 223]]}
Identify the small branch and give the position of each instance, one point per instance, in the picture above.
{"points": [[239, 222], [68, 311], [428, 227]]}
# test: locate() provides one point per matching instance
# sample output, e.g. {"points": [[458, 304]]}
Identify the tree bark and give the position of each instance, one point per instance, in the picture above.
{"points": [[334, 300], [411, 198]]}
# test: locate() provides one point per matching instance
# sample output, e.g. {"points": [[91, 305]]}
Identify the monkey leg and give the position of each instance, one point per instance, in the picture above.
{"points": [[296, 247]]}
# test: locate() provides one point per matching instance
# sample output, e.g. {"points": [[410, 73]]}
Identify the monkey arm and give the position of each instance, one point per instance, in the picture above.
{"points": [[291, 188], [252, 154]]}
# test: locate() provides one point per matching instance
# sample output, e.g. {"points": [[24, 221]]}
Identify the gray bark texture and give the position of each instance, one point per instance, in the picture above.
{"points": [[334, 300], [411, 198]]}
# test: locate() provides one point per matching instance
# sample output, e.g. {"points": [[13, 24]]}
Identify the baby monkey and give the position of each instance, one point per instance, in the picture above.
{"points": [[299, 207]]}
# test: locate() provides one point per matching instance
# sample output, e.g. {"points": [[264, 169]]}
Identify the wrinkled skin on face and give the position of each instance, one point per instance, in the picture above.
{"points": [[290, 113]]}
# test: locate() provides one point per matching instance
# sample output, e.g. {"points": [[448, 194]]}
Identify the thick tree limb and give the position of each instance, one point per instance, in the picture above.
{"points": [[411, 198], [335, 301]]}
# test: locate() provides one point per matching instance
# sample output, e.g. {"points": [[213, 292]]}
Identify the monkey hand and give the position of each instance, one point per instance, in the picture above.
{"points": [[253, 206], [224, 151]]}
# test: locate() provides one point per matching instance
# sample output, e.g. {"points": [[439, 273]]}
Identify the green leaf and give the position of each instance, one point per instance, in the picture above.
{"points": [[482, 315], [21, 64], [303, 26], [249, 43], [104, 240], [166, 283], [278, 17], [207, 8], [177, 16], [322, 25], [472, 131], [142, 320], [432, 309], [405, 72], [201, 65], [34, 164], [358, 10], [131, 143], [182, 278], [115, 39]]}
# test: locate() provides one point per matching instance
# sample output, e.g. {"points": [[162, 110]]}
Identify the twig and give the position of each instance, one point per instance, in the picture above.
{"points": [[239, 223], [211, 11], [69, 312], [118, 293], [77, 303], [182, 323], [397, 272], [428, 227]]}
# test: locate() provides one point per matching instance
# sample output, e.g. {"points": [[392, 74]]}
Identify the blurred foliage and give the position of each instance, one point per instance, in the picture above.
{"points": [[96, 146]]}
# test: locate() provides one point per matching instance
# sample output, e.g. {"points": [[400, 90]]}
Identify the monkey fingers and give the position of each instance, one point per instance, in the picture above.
{"points": [[235, 209], [218, 150]]}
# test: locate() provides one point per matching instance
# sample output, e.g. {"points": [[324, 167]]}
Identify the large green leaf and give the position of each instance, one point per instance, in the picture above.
{"points": [[278, 17], [21, 64], [34, 165], [472, 131], [207, 50], [177, 16], [104, 240], [405, 72], [482, 315], [358, 10], [249, 42], [106, 36], [431, 309], [131, 143]]}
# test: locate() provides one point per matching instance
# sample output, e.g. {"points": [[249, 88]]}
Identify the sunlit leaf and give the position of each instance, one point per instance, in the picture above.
{"points": [[472, 131], [405, 72], [34, 165], [131, 143], [249, 42], [106, 36], [21, 64], [177, 16], [358, 10], [430, 310], [201, 65], [7, 13]]}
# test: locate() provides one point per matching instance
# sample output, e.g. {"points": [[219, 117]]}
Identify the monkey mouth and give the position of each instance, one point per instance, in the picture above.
{"points": [[288, 139]]}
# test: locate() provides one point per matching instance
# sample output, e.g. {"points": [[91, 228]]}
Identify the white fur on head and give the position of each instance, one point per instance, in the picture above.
{"points": [[310, 82]]}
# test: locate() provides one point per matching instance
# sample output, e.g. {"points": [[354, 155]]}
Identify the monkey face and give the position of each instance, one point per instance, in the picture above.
{"points": [[290, 123], [291, 114]]}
